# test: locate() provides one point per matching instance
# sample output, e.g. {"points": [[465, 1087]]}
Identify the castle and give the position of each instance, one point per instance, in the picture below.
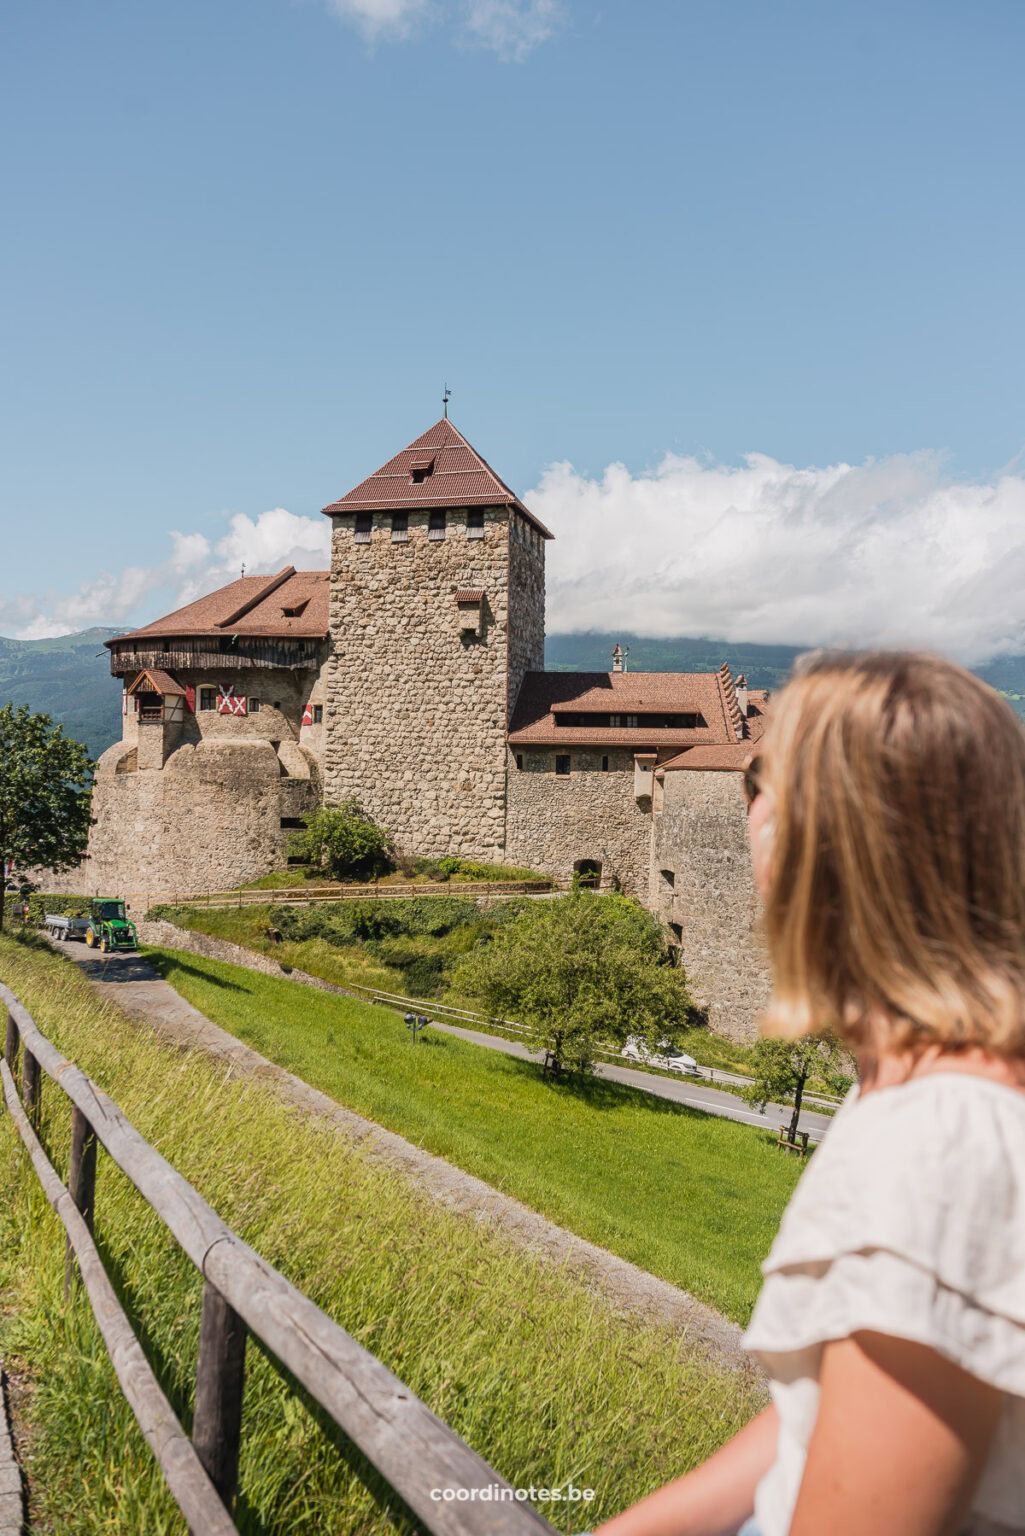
{"points": [[411, 676]]}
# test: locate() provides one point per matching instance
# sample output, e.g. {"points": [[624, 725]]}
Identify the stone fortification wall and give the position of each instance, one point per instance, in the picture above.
{"points": [[555, 820], [416, 707], [703, 886], [208, 820], [526, 604]]}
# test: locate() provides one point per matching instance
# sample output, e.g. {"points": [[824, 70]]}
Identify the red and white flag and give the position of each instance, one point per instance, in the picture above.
{"points": [[228, 703], [308, 715]]}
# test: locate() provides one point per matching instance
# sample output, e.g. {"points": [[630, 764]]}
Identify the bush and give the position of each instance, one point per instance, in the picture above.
{"points": [[39, 904], [344, 840]]}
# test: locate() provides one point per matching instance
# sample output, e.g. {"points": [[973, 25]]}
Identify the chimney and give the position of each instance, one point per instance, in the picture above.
{"points": [[741, 686], [617, 658]]}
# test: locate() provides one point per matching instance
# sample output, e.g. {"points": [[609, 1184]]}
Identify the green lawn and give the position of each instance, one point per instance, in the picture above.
{"points": [[693, 1198], [543, 1379], [353, 965]]}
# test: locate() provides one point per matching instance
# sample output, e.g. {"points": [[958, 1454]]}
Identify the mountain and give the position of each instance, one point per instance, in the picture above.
{"points": [[69, 679]]}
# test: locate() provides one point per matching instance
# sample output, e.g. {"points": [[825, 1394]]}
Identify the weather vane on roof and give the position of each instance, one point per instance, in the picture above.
{"points": [[446, 397]]}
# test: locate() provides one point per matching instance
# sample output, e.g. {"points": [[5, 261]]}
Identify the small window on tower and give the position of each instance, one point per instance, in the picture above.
{"points": [[605, 763], [519, 762], [475, 523], [208, 698], [562, 765], [364, 525], [318, 713], [400, 527], [254, 706], [436, 526]]}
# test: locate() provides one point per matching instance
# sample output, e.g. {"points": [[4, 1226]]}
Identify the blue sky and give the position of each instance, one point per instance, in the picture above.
{"points": [[246, 241]]}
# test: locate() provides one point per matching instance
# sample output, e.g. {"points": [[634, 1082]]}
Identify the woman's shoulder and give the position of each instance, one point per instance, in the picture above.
{"points": [[932, 1170]]}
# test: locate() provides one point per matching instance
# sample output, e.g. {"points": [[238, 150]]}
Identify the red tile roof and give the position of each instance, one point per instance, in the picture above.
{"points": [[454, 475], [544, 696], [470, 595], [252, 605], [162, 683], [733, 756]]}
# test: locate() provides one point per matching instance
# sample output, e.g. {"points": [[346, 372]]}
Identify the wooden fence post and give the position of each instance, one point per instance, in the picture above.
{"points": [[30, 1087], [220, 1372], [11, 1045], [81, 1183]]}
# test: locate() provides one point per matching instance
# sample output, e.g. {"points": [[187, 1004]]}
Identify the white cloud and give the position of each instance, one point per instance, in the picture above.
{"points": [[891, 552], [263, 544], [512, 28], [380, 18], [885, 553]]}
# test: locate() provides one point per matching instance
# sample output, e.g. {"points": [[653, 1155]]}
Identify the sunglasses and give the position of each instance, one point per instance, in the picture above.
{"points": [[752, 781]]}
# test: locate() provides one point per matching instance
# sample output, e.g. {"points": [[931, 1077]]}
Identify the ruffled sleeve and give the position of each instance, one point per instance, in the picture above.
{"points": [[909, 1221]]}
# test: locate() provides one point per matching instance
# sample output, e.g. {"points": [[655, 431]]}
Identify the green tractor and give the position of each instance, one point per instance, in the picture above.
{"points": [[109, 928]]}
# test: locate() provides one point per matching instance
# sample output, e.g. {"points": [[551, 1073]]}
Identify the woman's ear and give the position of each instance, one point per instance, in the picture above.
{"points": [[760, 827]]}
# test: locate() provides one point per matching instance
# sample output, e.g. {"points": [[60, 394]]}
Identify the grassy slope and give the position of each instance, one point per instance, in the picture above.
{"points": [[535, 1373], [688, 1196], [352, 965]]}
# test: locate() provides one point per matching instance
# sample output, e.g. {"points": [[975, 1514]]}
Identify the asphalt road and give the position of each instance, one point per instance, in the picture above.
{"points": [[682, 1091]]}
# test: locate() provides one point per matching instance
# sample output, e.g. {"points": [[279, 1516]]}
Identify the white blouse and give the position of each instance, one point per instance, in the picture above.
{"points": [[909, 1221]]}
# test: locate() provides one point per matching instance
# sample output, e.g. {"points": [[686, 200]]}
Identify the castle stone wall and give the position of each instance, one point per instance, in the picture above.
{"points": [[702, 883], [417, 710], [557, 820], [526, 604]]}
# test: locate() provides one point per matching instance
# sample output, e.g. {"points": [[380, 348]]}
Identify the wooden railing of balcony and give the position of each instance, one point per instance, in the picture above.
{"points": [[200, 658]]}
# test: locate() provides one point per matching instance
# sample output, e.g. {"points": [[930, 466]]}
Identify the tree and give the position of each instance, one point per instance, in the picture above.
{"points": [[45, 795], [782, 1069], [578, 971], [344, 840]]}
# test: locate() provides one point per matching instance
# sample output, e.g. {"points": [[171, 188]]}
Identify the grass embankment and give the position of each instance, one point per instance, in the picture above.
{"points": [[690, 1197], [356, 965], [426, 872], [535, 1373]]}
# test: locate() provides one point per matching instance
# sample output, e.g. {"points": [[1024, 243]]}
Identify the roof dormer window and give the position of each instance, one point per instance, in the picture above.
{"points": [[296, 611], [420, 468]]}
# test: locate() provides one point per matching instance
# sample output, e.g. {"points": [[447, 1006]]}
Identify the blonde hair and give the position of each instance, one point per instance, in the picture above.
{"points": [[897, 883]]}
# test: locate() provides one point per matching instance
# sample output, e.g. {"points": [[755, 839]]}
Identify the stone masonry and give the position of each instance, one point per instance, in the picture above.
{"points": [[556, 822], [702, 886], [417, 703]]}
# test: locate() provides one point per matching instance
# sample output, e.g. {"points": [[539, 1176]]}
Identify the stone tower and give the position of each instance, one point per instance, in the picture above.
{"points": [[437, 613]]}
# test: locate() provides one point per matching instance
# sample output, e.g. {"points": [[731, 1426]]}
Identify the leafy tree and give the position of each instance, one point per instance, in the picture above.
{"points": [[579, 971], [45, 794], [344, 840], [782, 1069]]}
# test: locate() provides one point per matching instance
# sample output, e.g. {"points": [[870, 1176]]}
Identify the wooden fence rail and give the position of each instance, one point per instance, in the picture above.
{"points": [[400, 1437]]}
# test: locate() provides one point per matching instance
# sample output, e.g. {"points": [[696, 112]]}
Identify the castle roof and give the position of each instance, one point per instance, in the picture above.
{"points": [[732, 757], [438, 469], [553, 709], [292, 603]]}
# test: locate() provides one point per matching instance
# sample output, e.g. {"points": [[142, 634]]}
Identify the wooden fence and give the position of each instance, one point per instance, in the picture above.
{"points": [[412, 1450], [295, 895]]}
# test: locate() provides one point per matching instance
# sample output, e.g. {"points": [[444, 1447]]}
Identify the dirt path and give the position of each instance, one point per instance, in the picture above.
{"points": [[132, 984]]}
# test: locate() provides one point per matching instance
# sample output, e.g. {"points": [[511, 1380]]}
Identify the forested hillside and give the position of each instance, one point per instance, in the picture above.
{"points": [[68, 678]]}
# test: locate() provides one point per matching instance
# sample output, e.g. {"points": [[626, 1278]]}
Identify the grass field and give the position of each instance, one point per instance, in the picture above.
{"points": [[691, 1197], [541, 1378], [353, 965]]}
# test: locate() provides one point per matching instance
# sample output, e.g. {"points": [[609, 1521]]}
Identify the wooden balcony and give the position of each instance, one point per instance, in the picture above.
{"points": [[247, 655]]}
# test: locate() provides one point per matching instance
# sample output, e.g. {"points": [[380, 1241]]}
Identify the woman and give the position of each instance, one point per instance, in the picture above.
{"points": [[887, 826]]}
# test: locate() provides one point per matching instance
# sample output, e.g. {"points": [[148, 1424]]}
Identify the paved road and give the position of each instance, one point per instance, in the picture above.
{"points": [[142, 994], [682, 1091]]}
